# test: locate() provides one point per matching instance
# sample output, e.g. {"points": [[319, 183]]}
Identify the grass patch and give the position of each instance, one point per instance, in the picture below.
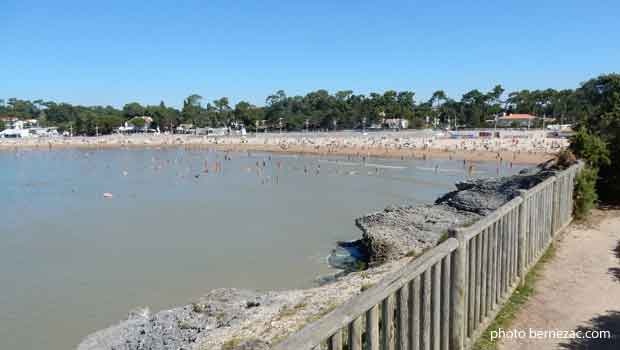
{"points": [[323, 311], [231, 344], [287, 311], [198, 308], [444, 236], [521, 295], [412, 254]]}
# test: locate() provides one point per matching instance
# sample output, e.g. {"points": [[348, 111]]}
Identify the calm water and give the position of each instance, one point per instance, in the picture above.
{"points": [[72, 262]]}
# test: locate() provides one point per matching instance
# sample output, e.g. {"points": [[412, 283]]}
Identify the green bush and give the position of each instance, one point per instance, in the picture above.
{"points": [[589, 147], [600, 99], [585, 196], [593, 150]]}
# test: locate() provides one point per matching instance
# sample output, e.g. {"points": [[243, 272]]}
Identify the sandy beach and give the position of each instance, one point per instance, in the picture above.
{"points": [[525, 147]]}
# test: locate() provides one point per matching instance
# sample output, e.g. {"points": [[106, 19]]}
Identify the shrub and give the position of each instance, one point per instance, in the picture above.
{"points": [[594, 151], [585, 196], [589, 147]]}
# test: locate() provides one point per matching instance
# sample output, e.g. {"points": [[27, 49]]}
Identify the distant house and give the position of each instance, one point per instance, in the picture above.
{"points": [[132, 125], [146, 123], [517, 120], [396, 123], [16, 128], [15, 123], [185, 129]]}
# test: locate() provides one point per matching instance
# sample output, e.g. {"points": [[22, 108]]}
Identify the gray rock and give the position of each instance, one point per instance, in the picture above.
{"points": [[397, 232], [400, 231], [182, 327], [482, 196]]}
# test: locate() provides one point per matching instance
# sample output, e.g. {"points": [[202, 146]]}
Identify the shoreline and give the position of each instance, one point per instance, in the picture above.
{"points": [[245, 319], [345, 146]]}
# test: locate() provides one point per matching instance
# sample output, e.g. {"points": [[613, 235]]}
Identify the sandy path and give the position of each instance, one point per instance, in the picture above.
{"points": [[579, 289]]}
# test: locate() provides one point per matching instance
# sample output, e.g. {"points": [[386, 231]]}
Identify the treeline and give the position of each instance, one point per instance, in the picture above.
{"points": [[316, 110]]}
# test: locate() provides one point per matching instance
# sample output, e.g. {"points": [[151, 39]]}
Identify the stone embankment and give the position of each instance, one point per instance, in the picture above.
{"points": [[232, 319]]}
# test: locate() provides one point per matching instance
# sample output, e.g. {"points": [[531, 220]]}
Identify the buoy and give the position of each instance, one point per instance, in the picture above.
{"points": [[107, 195]]}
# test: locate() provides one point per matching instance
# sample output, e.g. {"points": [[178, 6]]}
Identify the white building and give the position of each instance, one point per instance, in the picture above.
{"points": [[129, 127], [396, 123], [15, 133], [16, 128]]}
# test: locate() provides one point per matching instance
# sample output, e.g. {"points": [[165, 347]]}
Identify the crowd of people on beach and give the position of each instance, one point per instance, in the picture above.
{"points": [[525, 142]]}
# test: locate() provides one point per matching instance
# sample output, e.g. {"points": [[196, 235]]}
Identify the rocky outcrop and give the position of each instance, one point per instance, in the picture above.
{"points": [[482, 196], [407, 231], [233, 319], [183, 327]]}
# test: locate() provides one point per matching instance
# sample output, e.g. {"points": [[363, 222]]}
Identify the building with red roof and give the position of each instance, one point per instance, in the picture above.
{"points": [[519, 120]]}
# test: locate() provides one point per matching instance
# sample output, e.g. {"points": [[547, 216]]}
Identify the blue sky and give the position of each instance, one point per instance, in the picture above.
{"points": [[113, 52]]}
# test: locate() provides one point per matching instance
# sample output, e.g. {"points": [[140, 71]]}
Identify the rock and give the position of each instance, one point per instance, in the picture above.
{"points": [[400, 231], [482, 196], [180, 327], [397, 232]]}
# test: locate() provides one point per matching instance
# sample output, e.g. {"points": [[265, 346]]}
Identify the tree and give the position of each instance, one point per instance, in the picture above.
{"points": [[494, 104], [248, 114], [590, 148], [165, 118], [223, 110], [107, 123], [600, 98], [133, 109], [192, 109], [436, 102], [138, 122], [474, 103]]}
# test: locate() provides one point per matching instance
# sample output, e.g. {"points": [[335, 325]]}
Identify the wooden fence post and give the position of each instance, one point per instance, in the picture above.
{"points": [[457, 292], [522, 240], [555, 222], [555, 210]]}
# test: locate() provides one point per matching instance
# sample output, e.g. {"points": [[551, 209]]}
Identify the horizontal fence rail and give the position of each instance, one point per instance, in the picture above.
{"points": [[448, 296]]}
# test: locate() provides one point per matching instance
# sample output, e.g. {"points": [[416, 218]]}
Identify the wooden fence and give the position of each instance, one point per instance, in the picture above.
{"points": [[448, 296]]}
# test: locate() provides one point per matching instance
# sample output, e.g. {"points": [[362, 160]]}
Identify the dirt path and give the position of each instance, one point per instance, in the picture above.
{"points": [[579, 290]]}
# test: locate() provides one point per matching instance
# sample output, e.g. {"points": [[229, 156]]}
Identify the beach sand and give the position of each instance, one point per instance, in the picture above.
{"points": [[529, 148]]}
